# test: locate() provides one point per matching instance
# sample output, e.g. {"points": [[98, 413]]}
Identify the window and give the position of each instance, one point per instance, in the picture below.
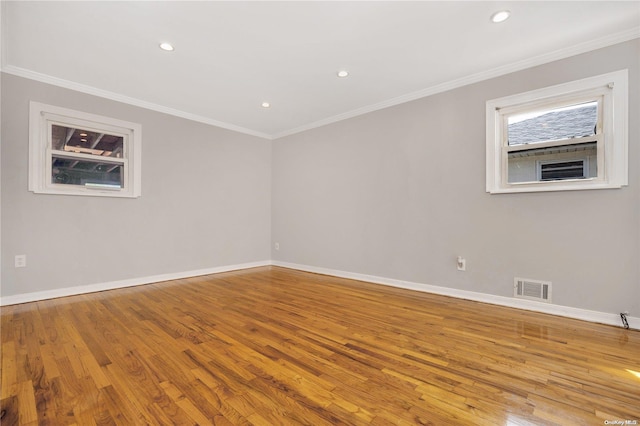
{"points": [[76, 153], [566, 137]]}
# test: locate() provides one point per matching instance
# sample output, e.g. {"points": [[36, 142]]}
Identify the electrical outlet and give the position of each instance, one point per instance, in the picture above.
{"points": [[276, 246], [20, 261], [461, 264]]}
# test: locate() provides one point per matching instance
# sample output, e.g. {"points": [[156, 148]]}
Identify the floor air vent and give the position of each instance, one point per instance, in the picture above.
{"points": [[525, 288]]}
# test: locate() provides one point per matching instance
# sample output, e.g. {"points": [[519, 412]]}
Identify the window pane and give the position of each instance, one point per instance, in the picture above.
{"points": [[86, 142], [85, 173], [567, 122], [553, 163], [563, 170]]}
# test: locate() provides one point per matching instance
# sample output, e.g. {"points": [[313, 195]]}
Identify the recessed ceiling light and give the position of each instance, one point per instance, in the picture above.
{"points": [[83, 140], [266, 105], [166, 46], [84, 135], [500, 16], [343, 73]]}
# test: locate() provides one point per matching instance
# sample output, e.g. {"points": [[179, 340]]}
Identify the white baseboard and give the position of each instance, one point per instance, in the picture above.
{"points": [[92, 288], [529, 305]]}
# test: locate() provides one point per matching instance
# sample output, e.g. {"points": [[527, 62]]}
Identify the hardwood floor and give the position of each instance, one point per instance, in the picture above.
{"points": [[271, 346]]}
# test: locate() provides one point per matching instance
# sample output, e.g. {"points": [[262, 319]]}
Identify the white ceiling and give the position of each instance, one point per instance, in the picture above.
{"points": [[231, 56]]}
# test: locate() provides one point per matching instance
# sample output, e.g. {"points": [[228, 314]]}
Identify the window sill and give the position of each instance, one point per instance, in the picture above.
{"points": [[567, 185], [87, 192]]}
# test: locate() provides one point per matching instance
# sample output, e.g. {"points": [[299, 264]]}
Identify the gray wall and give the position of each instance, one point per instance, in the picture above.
{"points": [[206, 195], [399, 193]]}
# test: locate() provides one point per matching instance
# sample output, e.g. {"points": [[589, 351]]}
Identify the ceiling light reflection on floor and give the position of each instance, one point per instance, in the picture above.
{"points": [[635, 373], [513, 420]]}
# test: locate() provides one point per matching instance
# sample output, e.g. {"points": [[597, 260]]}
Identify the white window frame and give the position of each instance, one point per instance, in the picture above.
{"points": [[611, 91], [41, 119]]}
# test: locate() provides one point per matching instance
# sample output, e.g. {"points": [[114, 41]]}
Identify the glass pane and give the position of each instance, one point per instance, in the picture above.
{"points": [[86, 142], [568, 122], [86, 173], [559, 170], [553, 163]]}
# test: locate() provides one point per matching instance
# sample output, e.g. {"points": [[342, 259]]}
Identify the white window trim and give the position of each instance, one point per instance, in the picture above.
{"points": [[42, 116], [612, 145]]}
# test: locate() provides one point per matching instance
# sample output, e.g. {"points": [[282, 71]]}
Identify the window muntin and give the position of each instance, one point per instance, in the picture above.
{"points": [[76, 153], [570, 122]]}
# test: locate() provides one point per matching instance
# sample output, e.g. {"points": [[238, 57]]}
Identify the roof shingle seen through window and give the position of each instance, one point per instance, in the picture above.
{"points": [[562, 124]]}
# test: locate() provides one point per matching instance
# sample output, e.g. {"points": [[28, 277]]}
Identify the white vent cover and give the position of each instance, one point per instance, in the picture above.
{"points": [[525, 288]]}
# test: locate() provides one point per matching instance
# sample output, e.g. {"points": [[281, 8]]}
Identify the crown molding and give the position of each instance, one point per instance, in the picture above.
{"points": [[90, 90], [473, 78], [432, 90]]}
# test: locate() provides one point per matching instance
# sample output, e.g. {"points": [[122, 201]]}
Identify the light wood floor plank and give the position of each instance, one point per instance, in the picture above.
{"points": [[271, 346]]}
